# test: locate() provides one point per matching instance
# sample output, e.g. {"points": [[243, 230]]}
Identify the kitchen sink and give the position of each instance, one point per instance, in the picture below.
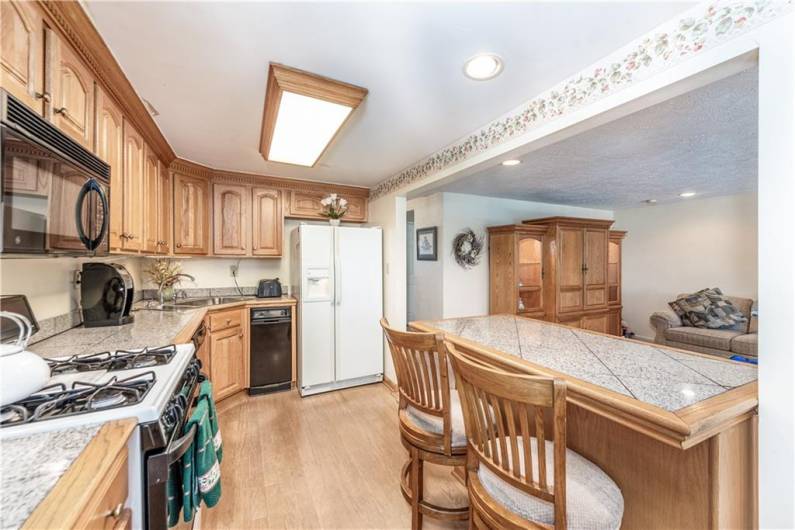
{"points": [[204, 302]]}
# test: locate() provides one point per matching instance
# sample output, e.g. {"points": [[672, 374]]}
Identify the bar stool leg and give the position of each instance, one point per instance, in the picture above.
{"points": [[416, 490]]}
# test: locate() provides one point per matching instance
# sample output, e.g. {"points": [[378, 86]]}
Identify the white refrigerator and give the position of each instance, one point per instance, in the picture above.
{"points": [[337, 278]]}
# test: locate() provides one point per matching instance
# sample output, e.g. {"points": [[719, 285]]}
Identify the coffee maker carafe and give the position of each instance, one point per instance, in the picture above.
{"points": [[106, 295]]}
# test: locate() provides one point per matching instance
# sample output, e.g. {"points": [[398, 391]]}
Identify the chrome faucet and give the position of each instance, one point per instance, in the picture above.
{"points": [[171, 280]]}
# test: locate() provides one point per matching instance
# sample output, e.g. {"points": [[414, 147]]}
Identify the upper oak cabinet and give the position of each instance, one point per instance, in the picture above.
{"points": [[110, 148], [230, 219], [72, 92], [306, 205], [22, 52], [164, 208], [191, 207], [133, 190], [268, 222], [152, 192]]}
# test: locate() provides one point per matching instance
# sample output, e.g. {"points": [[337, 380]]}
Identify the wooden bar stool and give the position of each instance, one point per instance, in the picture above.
{"points": [[431, 422], [516, 477]]}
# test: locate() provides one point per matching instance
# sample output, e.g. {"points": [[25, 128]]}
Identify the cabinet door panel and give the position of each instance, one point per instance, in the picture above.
{"points": [[152, 191], [268, 227], [570, 275], [134, 190], [110, 148], [226, 362], [595, 323], [72, 94], [190, 215], [595, 261], [164, 208], [22, 52], [230, 219], [306, 205]]}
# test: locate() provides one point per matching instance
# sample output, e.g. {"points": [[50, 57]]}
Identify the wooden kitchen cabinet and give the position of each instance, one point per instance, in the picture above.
{"points": [[306, 205], [134, 190], [227, 361], [268, 222], [22, 52], [110, 148], [231, 219], [164, 208], [72, 91], [153, 189], [516, 256], [191, 214]]}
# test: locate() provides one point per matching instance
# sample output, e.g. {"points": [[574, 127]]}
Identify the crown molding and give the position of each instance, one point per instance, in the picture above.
{"points": [[73, 22], [192, 169]]}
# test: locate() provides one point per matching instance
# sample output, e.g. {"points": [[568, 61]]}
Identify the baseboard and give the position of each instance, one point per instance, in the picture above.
{"points": [[390, 384]]}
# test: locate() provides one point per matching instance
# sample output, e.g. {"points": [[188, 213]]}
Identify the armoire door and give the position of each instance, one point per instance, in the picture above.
{"points": [[570, 269], [529, 274], [595, 261]]}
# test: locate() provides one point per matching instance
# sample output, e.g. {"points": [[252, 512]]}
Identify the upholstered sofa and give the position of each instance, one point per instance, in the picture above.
{"points": [[724, 342]]}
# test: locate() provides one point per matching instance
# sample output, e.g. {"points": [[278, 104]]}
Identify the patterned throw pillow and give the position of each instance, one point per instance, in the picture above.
{"points": [[707, 308]]}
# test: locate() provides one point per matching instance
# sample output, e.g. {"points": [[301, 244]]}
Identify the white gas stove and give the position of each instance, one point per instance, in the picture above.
{"points": [[156, 386]]}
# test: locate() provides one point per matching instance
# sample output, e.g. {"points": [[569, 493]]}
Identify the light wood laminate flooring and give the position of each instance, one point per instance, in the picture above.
{"points": [[326, 461]]}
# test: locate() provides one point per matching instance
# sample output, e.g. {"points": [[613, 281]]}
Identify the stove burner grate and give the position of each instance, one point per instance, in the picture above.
{"points": [[120, 360], [57, 401]]}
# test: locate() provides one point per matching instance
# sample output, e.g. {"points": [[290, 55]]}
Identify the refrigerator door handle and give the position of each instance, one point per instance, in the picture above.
{"points": [[337, 270]]}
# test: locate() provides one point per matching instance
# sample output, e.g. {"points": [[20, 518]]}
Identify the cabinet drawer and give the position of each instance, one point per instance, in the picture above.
{"points": [[225, 319], [108, 511]]}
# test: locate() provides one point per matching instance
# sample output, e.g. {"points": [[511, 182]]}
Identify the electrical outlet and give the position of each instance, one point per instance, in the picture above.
{"points": [[233, 269]]}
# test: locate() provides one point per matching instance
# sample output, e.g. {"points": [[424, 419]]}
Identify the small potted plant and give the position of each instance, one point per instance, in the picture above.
{"points": [[334, 208]]}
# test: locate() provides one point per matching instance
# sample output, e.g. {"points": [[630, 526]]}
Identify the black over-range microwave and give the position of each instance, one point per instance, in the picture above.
{"points": [[54, 193]]}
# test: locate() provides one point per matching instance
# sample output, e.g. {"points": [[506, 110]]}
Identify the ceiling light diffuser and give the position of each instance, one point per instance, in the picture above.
{"points": [[303, 113], [512, 162], [483, 66], [687, 194]]}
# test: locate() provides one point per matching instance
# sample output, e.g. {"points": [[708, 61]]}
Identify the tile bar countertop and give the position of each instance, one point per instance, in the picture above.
{"points": [[675, 388]]}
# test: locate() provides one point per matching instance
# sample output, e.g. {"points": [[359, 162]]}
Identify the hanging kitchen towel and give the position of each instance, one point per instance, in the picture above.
{"points": [[206, 393], [173, 493], [201, 473]]}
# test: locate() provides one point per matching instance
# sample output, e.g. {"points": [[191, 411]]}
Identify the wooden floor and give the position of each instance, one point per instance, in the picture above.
{"points": [[326, 461]]}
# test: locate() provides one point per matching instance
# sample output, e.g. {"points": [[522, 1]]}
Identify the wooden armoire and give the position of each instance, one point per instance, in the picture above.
{"points": [[559, 269]]}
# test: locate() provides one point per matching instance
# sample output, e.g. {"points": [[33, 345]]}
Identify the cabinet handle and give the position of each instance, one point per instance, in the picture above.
{"points": [[116, 512], [179, 245], [228, 321], [61, 110], [241, 332], [43, 95]]}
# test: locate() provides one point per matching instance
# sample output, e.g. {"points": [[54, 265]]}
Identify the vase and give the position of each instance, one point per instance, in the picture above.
{"points": [[334, 222]]}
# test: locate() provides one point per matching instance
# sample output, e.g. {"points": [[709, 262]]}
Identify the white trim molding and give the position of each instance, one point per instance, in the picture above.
{"points": [[702, 27]]}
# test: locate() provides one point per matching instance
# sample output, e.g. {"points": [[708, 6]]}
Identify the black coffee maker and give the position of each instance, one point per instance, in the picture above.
{"points": [[106, 295]]}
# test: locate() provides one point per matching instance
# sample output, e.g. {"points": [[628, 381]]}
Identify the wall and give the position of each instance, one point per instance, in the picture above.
{"points": [[684, 247], [49, 282], [427, 283]]}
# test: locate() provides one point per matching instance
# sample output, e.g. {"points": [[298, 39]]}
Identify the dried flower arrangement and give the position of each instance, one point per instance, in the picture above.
{"points": [[334, 207]]}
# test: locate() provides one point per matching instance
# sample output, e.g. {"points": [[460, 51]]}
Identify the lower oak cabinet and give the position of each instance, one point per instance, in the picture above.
{"points": [[227, 352]]}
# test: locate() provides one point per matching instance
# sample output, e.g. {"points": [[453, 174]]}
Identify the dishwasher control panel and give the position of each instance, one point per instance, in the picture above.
{"points": [[270, 313]]}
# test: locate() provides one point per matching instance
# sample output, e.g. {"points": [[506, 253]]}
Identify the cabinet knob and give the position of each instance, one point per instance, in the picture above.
{"points": [[179, 245], [61, 110], [43, 95], [228, 321], [241, 332], [116, 512]]}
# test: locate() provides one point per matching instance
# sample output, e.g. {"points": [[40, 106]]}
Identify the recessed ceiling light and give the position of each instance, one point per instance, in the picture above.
{"points": [[650, 201], [687, 194], [512, 162], [303, 113], [483, 66]]}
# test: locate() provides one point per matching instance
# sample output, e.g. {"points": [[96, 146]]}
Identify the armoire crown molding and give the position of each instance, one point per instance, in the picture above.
{"points": [[73, 22], [192, 169]]}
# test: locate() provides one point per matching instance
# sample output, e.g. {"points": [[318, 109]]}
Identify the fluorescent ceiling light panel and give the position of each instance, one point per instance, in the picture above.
{"points": [[304, 127], [303, 113]]}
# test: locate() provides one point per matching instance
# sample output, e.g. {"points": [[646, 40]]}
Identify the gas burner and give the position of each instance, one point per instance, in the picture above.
{"points": [[57, 401], [120, 360]]}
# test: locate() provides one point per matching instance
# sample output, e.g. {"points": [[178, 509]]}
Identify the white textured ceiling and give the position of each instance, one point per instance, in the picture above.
{"points": [[703, 141], [203, 65]]}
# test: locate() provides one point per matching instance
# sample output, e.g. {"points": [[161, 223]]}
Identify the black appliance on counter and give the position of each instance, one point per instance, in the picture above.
{"points": [[271, 358], [269, 288], [60, 207], [106, 295]]}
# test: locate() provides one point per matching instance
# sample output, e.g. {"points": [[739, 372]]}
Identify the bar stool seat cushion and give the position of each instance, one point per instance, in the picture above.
{"points": [[593, 500], [435, 425]]}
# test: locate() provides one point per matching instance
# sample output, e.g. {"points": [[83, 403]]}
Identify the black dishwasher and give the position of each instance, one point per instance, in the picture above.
{"points": [[271, 350]]}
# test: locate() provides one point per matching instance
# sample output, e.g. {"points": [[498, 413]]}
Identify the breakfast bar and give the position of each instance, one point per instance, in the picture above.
{"points": [[676, 430]]}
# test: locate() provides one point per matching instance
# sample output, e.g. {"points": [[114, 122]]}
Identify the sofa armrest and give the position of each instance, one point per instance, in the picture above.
{"points": [[661, 321]]}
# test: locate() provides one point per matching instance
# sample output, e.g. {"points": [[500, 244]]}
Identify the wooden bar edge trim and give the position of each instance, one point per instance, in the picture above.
{"points": [[64, 504]]}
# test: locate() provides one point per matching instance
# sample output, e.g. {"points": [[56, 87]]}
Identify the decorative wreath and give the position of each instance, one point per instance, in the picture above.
{"points": [[467, 247]]}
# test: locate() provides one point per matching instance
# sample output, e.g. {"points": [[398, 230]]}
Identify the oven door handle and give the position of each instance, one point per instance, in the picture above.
{"points": [[181, 445]]}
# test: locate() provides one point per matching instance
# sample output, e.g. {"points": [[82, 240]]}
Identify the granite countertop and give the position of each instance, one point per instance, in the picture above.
{"points": [[150, 327], [665, 377], [30, 466]]}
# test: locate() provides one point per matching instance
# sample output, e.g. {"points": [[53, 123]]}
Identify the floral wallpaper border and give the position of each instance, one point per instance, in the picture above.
{"points": [[700, 28]]}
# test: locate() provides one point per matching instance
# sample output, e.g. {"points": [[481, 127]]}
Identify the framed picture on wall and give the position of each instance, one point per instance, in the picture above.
{"points": [[426, 244]]}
